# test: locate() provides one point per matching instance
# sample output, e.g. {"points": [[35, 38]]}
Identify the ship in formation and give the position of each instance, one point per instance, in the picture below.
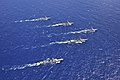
{"points": [[64, 24], [44, 62], [76, 41], [47, 61], [73, 41], [44, 18], [41, 19], [92, 30], [52, 61]]}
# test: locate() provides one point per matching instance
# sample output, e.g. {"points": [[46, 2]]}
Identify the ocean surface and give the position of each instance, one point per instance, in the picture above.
{"points": [[21, 42]]}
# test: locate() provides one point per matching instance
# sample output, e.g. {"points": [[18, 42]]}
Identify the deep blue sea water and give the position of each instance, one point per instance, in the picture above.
{"points": [[20, 43]]}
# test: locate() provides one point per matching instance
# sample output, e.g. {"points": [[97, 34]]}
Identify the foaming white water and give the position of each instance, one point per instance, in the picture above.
{"points": [[34, 19], [72, 32], [22, 66], [44, 26], [47, 61]]}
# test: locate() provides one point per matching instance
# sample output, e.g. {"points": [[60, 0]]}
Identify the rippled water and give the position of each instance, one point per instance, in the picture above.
{"points": [[20, 43]]}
